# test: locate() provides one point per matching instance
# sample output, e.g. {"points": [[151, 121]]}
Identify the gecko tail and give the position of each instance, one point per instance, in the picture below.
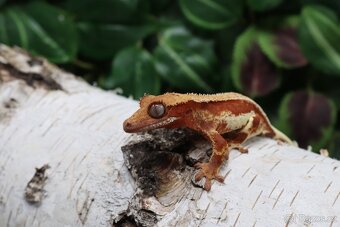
{"points": [[281, 136]]}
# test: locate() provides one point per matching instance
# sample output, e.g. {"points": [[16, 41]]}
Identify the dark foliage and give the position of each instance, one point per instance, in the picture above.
{"points": [[273, 50]]}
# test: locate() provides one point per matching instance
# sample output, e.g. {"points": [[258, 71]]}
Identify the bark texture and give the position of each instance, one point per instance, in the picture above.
{"points": [[62, 164]]}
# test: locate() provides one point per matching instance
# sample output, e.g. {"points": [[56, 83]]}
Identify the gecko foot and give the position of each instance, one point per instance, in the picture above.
{"points": [[209, 173]]}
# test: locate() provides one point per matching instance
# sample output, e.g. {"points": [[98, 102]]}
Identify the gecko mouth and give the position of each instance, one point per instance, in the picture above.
{"points": [[159, 124]]}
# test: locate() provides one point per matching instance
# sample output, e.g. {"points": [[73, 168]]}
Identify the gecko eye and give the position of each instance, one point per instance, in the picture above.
{"points": [[156, 110]]}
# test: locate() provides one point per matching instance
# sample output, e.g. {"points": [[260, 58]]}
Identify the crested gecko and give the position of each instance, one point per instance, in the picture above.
{"points": [[225, 119]]}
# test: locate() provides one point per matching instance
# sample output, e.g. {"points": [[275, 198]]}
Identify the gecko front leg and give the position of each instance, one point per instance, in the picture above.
{"points": [[221, 149], [210, 169]]}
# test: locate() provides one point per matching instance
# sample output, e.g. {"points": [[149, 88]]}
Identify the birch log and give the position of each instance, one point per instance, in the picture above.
{"points": [[49, 117]]}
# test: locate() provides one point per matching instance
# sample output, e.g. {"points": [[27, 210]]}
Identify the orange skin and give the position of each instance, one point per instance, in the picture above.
{"points": [[225, 119]]}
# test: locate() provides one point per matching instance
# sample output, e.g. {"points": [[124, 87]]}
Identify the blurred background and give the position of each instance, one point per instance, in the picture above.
{"points": [[285, 54]]}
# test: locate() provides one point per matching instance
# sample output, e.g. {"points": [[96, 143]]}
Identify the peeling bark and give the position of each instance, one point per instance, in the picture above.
{"points": [[34, 191], [100, 176]]}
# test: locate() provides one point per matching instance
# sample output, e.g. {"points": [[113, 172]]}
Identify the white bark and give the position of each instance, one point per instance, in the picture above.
{"points": [[78, 132]]}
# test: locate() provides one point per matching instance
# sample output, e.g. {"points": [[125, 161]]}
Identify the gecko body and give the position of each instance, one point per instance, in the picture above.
{"points": [[225, 119]]}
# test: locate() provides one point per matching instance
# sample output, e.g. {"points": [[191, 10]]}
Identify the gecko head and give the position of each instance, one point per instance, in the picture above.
{"points": [[154, 112]]}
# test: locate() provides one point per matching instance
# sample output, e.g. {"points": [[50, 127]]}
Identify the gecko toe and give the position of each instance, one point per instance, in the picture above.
{"points": [[199, 176], [198, 165], [219, 178], [243, 150], [207, 184], [208, 173]]}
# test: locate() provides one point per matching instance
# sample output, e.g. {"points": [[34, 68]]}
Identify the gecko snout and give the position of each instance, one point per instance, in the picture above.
{"points": [[127, 126]]}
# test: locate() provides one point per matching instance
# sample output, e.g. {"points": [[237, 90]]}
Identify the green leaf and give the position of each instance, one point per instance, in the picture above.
{"points": [[134, 71], [319, 35], [107, 26], [14, 31], [103, 41], [184, 60], [263, 5], [52, 32], [333, 93], [282, 47], [242, 44], [212, 14], [104, 11], [331, 4], [40, 28], [252, 72], [335, 145], [307, 117]]}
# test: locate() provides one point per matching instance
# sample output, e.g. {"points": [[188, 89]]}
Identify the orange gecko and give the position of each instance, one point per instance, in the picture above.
{"points": [[225, 119]]}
